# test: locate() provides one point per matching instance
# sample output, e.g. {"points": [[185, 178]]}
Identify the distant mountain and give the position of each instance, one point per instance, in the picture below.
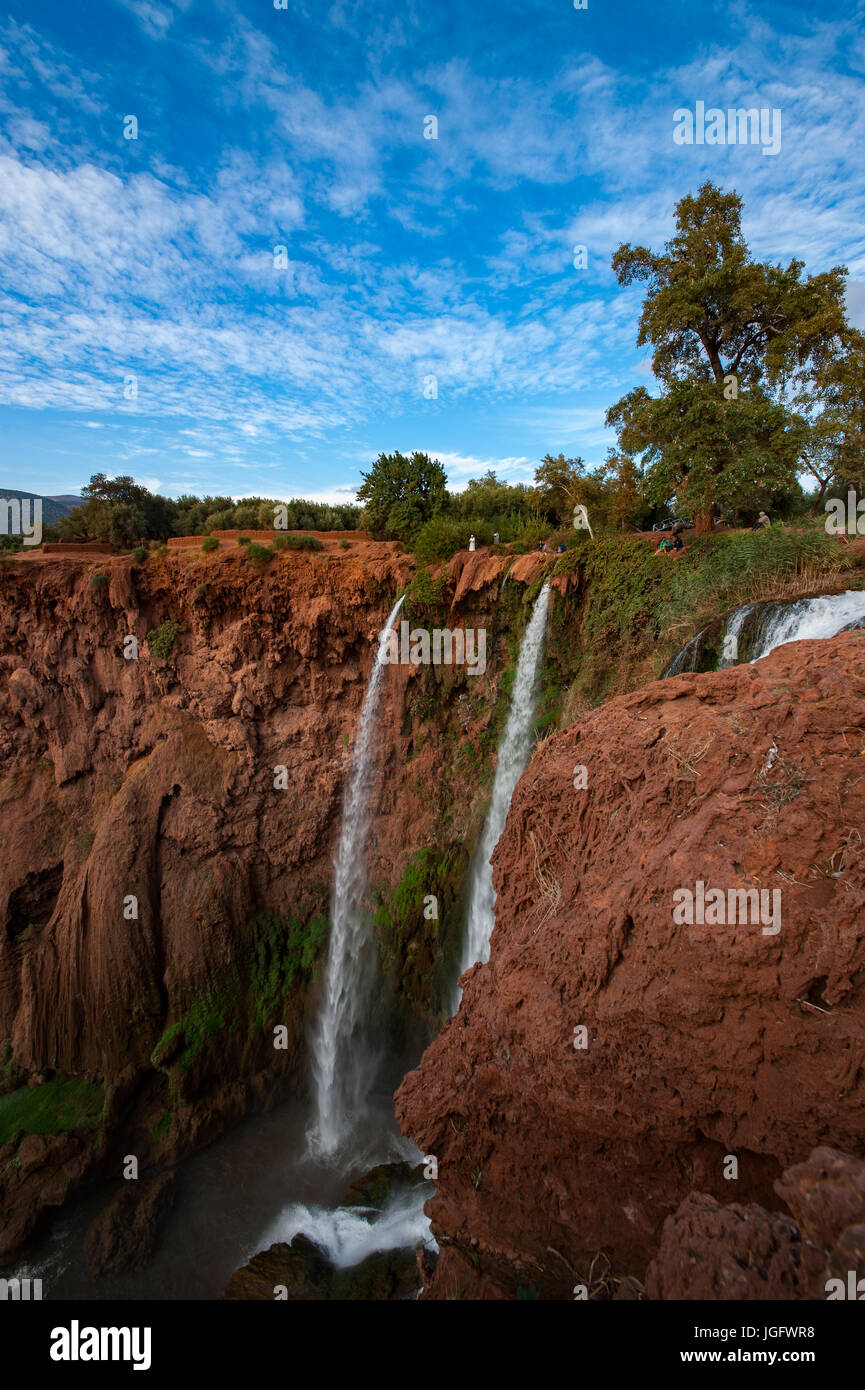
{"points": [[53, 508], [68, 499]]}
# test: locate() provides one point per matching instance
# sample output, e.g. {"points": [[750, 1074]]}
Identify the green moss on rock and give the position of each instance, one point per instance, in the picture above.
{"points": [[56, 1107]]}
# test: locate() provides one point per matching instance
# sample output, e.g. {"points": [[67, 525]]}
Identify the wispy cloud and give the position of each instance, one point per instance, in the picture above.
{"points": [[282, 263]]}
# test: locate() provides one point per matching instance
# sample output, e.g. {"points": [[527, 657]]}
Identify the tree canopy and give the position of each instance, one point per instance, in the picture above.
{"points": [[728, 333], [401, 493]]}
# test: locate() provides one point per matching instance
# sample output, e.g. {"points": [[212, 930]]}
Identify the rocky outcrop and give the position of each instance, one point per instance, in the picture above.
{"points": [[300, 1272], [126, 1232], [38, 1172], [710, 1251], [612, 1059]]}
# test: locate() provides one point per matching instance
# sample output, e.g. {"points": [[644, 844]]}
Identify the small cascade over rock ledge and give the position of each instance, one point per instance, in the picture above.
{"points": [[753, 631]]}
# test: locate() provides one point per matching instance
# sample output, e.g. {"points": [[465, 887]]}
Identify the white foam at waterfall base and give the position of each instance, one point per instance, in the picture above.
{"points": [[811, 618], [343, 1067], [513, 755], [348, 1235]]}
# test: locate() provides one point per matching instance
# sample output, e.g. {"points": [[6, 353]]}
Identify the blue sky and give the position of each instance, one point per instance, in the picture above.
{"points": [[405, 257]]}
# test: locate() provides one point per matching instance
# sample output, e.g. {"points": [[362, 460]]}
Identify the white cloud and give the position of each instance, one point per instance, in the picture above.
{"points": [[856, 303], [155, 16], [461, 467]]}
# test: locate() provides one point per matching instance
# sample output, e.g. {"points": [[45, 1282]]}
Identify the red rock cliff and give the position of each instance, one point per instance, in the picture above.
{"points": [[153, 779], [703, 1042]]}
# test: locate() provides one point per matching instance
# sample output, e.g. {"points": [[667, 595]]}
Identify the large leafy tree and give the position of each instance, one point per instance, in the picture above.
{"points": [[832, 402], [705, 451], [489, 497], [627, 500], [564, 482], [727, 332], [119, 510], [401, 493]]}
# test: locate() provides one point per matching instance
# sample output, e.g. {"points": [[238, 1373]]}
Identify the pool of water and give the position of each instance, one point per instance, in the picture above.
{"points": [[252, 1187]]}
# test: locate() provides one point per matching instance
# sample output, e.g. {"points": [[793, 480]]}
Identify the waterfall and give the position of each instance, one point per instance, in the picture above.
{"points": [[686, 658], [809, 618], [342, 1067], [732, 632], [761, 627], [514, 750]]}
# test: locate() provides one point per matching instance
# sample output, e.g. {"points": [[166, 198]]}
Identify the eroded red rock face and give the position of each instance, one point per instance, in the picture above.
{"points": [[703, 1041], [154, 779], [710, 1251]]}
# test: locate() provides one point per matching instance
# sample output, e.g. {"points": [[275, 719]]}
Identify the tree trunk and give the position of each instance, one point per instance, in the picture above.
{"points": [[819, 498], [705, 521]]}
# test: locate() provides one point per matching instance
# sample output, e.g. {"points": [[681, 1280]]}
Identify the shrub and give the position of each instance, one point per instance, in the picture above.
{"points": [[243, 540], [531, 533], [426, 592], [259, 554], [345, 545], [99, 581], [209, 543], [200, 591], [295, 542], [162, 639], [161, 549], [441, 538], [139, 554]]}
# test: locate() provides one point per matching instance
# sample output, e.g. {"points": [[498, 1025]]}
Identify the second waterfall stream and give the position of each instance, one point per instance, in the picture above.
{"points": [[343, 1066], [513, 755]]}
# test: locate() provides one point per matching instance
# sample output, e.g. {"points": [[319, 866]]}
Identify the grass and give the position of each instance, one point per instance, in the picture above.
{"points": [[161, 1128], [209, 544], [259, 554], [788, 780], [426, 592], [627, 610], [629, 587], [55, 1107]]}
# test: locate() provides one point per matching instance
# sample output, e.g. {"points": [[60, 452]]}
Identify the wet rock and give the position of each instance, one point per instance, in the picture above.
{"points": [[302, 1272], [38, 1173], [126, 1232], [374, 1188]]}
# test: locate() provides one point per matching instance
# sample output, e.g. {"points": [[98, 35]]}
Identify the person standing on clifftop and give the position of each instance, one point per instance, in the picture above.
{"points": [[471, 542]]}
